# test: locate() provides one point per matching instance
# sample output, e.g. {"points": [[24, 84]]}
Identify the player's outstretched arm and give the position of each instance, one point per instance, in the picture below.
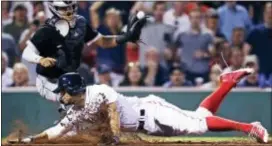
{"points": [[106, 41], [135, 25], [114, 121], [51, 133]]}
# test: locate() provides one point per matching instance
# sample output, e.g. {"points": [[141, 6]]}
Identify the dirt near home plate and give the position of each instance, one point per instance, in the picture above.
{"points": [[141, 140]]}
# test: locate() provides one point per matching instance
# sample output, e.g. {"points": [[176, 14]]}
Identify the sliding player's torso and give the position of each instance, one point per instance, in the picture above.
{"points": [[96, 101]]}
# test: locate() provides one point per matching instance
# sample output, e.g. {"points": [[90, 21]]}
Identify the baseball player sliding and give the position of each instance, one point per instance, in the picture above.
{"points": [[152, 115]]}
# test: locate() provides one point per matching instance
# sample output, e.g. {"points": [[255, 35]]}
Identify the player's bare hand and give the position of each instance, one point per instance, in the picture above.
{"points": [[47, 62], [18, 140]]}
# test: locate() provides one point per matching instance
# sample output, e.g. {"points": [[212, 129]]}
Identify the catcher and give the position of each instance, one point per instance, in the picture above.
{"points": [[151, 115], [56, 46]]}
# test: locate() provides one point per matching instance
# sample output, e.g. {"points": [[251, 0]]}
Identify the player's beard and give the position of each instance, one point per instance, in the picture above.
{"points": [[80, 101]]}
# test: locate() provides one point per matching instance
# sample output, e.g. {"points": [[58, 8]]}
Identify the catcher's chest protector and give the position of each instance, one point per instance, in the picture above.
{"points": [[72, 44]]}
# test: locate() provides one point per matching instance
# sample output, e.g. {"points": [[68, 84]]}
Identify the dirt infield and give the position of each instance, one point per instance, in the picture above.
{"points": [[157, 144], [158, 141]]}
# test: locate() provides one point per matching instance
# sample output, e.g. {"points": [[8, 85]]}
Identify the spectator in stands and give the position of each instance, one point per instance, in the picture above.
{"points": [[28, 6], [104, 75], [236, 60], [6, 18], [177, 17], [199, 6], [194, 45], [20, 75], [192, 5], [6, 72], [38, 6], [212, 24], [214, 78], [238, 40], [19, 23], [260, 39], [154, 73], [156, 28], [177, 79], [255, 79], [220, 48], [83, 10], [133, 76], [232, 15], [10, 47], [113, 57]]}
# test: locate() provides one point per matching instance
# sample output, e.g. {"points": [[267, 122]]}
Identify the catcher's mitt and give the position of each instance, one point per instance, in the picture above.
{"points": [[134, 27]]}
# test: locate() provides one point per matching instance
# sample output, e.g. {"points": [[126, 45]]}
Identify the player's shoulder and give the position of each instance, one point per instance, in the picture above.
{"points": [[94, 90], [98, 88], [46, 30], [80, 18]]}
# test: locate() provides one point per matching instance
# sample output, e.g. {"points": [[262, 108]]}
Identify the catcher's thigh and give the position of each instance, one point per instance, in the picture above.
{"points": [[46, 88]]}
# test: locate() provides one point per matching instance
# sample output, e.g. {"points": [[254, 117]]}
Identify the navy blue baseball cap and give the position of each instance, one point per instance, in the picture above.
{"points": [[72, 83]]}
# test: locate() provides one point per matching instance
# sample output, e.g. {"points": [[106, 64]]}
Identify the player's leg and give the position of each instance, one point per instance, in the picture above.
{"points": [[256, 130], [166, 119], [228, 81], [210, 105]]}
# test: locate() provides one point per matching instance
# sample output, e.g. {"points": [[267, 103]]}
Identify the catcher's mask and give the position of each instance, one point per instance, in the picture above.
{"points": [[71, 83], [63, 9]]}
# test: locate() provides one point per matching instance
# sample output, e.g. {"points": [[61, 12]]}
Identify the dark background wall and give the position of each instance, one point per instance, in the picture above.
{"points": [[38, 114]]}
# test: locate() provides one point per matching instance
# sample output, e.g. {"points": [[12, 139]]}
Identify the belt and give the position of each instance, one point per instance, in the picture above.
{"points": [[141, 120]]}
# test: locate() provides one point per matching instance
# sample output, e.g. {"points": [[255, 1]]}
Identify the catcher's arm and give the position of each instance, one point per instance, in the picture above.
{"points": [[135, 25], [106, 41]]}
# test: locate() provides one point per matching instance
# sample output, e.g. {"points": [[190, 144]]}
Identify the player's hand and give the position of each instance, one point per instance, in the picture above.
{"points": [[47, 62], [27, 139], [18, 140]]}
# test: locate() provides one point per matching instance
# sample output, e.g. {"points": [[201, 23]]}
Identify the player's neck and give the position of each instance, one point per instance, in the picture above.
{"points": [[80, 102]]}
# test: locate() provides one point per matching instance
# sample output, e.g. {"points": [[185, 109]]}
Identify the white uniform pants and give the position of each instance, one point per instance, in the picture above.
{"points": [[46, 88], [163, 118]]}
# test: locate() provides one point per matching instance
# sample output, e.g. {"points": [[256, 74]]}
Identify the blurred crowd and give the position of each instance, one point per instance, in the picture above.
{"points": [[184, 44]]}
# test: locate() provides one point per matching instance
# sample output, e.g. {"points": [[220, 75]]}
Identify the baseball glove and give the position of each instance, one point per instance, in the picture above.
{"points": [[134, 27]]}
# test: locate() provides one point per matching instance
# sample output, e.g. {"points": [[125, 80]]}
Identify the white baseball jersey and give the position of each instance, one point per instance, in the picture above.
{"points": [[161, 117], [78, 119]]}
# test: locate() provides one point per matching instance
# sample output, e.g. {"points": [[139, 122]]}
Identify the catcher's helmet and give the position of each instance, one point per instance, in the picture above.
{"points": [[72, 83], [63, 9]]}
